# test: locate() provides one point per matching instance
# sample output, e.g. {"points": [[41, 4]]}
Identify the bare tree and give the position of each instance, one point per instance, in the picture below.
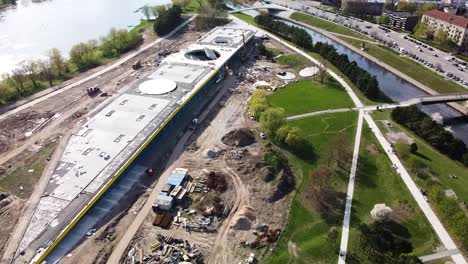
{"points": [[46, 72], [147, 11], [30, 70], [56, 60], [17, 79]]}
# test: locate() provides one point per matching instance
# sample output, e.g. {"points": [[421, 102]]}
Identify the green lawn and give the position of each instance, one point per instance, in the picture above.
{"points": [[377, 182], [23, 177], [144, 24], [440, 165], [295, 61], [409, 67], [309, 96], [326, 25], [306, 229], [246, 18]]}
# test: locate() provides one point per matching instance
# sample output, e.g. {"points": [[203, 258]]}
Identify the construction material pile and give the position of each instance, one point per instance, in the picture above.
{"points": [[239, 138], [263, 237], [168, 250]]}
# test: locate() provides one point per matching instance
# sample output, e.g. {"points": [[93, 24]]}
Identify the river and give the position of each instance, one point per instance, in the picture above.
{"points": [[32, 27]]}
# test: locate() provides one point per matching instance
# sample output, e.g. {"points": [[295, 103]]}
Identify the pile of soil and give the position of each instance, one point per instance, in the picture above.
{"points": [[216, 181], [239, 138]]}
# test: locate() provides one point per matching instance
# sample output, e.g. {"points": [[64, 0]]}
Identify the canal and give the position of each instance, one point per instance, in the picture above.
{"points": [[32, 27], [395, 87]]}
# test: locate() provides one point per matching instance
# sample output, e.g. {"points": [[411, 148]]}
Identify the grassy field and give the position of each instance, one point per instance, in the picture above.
{"points": [[144, 24], [377, 182], [306, 230], [294, 61], [439, 165], [409, 67], [246, 18], [309, 96], [326, 25], [23, 177]]}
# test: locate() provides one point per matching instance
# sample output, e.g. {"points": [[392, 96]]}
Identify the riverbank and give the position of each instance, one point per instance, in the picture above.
{"points": [[389, 68]]}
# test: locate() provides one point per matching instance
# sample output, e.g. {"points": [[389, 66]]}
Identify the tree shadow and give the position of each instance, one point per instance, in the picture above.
{"points": [[398, 229], [365, 170], [422, 156]]}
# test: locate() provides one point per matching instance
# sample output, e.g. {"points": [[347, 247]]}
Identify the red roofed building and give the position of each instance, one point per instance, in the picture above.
{"points": [[454, 26]]}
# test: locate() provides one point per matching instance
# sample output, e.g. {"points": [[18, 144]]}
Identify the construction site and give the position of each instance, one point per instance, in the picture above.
{"points": [[194, 192]]}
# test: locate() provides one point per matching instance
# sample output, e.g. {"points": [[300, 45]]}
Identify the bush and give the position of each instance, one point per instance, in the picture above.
{"points": [[85, 56], [119, 41]]}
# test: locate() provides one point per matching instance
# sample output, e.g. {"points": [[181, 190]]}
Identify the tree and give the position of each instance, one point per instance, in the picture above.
{"points": [[322, 71], [31, 72], [384, 20], [381, 213], [413, 148], [45, 71], [147, 11], [85, 56], [257, 103], [293, 139], [441, 37], [421, 30], [167, 20], [17, 79], [56, 60], [271, 120]]}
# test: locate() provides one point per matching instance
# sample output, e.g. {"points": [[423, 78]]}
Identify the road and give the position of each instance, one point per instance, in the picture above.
{"points": [[350, 192], [95, 75], [390, 36], [411, 185]]}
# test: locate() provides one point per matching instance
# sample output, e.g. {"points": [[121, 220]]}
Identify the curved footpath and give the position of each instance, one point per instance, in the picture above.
{"points": [[439, 229], [389, 68]]}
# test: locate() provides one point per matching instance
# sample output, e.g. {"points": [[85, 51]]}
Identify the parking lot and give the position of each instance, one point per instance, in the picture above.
{"points": [[443, 63]]}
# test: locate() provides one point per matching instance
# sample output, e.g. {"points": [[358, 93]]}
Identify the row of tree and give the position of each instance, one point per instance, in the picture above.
{"points": [[34, 75], [7, 2], [296, 35], [367, 83], [432, 132], [411, 7]]}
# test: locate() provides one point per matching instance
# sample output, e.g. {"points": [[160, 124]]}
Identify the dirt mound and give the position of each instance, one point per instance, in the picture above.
{"points": [[216, 181], [239, 138], [244, 218]]}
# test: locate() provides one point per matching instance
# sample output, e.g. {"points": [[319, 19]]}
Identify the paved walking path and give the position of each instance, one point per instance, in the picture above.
{"points": [[427, 210], [439, 255], [349, 195]]}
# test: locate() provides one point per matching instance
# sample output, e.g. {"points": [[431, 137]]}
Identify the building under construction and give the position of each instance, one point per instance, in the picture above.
{"points": [[146, 119]]}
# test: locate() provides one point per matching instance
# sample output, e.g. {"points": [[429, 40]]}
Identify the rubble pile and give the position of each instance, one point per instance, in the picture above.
{"points": [[168, 250], [239, 138], [263, 236], [236, 154]]}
